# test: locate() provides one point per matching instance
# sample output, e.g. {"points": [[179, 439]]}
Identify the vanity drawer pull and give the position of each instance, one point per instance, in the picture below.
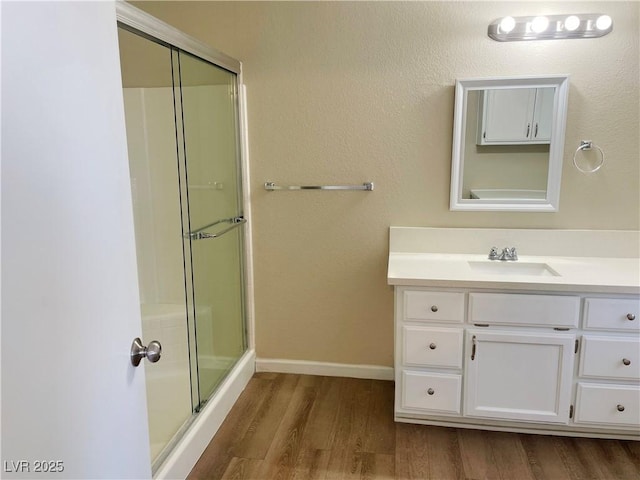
{"points": [[620, 408], [432, 346], [626, 361], [434, 308], [431, 391], [631, 317]]}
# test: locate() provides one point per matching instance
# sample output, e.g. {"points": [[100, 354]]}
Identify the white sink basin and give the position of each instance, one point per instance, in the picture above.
{"points": [[497, 267]]}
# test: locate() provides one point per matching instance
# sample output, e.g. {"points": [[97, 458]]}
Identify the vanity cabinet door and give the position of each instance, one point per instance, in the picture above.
{"points": [[543, 113], [515, 116], [519, 376]]}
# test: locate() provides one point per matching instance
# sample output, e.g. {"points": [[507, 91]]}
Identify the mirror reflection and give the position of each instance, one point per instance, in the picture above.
{"points": [[508, 142]]}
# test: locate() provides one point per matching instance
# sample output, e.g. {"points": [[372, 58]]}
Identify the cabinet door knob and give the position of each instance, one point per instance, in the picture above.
{"points": [[631, 316], [620, 408], [434, 308], [431, 391], [626, 361], [432, 346]]}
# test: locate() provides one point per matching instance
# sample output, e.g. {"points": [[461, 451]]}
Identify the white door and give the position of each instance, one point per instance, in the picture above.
{"points": [[519, 376], [73, 406]]}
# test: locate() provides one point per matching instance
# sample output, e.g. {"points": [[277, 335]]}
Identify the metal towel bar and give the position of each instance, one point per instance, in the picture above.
{"points": [[368, 186], [200, 235]]}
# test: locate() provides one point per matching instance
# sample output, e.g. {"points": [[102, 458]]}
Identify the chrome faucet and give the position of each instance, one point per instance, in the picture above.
{"points": [[507, 254]]}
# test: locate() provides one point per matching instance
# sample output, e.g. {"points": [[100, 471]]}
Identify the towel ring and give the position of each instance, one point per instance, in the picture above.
{"points": [[588, 145]]}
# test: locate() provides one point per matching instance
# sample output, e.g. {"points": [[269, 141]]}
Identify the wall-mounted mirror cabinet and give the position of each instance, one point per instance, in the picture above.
{"points": [[508, 143]]}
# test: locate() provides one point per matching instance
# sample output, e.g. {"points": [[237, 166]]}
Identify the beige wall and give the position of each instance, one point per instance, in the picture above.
{"points": [[349, 92]]}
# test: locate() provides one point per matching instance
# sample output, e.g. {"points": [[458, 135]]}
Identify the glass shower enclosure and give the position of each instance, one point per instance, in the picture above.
{"points": [[182, 123]]}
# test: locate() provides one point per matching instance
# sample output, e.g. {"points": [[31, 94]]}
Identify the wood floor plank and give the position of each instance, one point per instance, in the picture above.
{"points": [[241, 469], [256, 441], [218, 454], [381, 429], [614, 461], [544, 460], [376, 466], [299, 427], [412, 456], [632, 449], [346, 448], [579, 467], [598, 457], [312, 464], [444, 453], [323, 418], [477, 455], [509, 455], [285, 447]]}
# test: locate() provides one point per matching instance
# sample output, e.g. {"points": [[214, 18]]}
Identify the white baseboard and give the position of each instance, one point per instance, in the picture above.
{"points": [[185, 455], [373, 372]]}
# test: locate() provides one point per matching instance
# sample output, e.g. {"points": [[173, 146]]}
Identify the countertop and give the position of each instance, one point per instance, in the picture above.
{"points": [[576, 274]]}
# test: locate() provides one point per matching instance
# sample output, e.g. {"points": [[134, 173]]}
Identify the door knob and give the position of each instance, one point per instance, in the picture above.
{"points": [[139, 351]]}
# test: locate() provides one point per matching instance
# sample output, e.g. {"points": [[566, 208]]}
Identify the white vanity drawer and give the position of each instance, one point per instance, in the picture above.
{"points": [[608, 404], [432, 347], [612, 314], [434, 306], [517, 309], [610, 357], [431, 391]]}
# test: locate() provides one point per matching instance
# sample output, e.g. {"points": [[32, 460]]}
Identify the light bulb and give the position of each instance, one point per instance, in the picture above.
{"points": [[539, 24], [507, 24], [572, 23], [603, 22]]}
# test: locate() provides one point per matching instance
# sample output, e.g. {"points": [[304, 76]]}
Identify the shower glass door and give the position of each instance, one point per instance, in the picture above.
{"points": [[212, 210], [181, 117]]}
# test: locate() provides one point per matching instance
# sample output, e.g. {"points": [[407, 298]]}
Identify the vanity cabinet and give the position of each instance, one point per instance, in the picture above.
{"points": [[514, 116], [519, 361]]}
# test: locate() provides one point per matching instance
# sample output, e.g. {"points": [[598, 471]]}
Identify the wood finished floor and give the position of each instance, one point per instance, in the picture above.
{"points": [[302, 427]]}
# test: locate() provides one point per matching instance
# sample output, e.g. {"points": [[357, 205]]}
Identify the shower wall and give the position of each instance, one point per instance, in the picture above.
{"points": [[151, 141]]}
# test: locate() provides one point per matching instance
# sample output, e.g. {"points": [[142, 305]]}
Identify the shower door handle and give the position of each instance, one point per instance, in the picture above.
{"points": [[139, 351], [200, 235]]}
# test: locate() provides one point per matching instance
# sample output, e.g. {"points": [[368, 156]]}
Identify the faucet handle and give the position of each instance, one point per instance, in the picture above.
{"points": [[493, 253]]}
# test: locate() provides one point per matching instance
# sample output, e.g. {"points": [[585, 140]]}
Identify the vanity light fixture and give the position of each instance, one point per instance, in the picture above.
{"points": [[550, 27]]}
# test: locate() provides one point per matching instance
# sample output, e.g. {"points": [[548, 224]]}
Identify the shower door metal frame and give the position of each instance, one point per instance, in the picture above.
{"points": [[143, 22], [140, 22]]}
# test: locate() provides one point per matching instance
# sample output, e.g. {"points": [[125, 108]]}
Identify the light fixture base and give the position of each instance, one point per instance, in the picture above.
{"points": [[550, 27]]}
